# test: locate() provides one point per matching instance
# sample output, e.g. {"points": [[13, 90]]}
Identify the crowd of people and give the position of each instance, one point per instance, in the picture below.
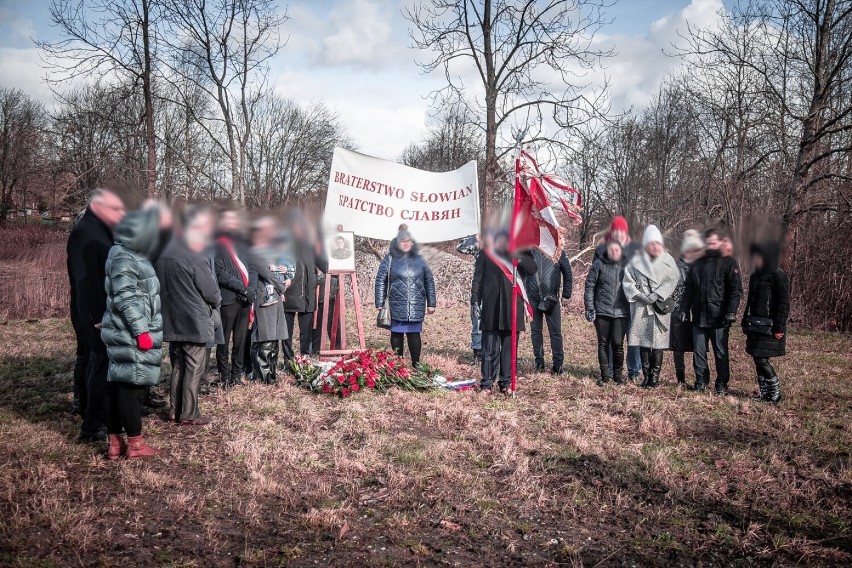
{"points": [[142, 279]]}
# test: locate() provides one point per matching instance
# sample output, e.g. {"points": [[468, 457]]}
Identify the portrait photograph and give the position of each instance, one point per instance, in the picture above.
{"points": [[340, 249]]}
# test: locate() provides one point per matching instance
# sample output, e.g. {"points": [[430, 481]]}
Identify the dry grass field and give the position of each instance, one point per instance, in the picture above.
{"points": [[566, 474]]}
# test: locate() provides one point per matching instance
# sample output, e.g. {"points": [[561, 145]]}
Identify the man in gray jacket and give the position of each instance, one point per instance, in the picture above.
{"points": [[190, 297]]}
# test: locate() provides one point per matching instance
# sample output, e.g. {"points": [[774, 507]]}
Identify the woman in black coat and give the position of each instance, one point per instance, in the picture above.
{"points": [[405, 279], [769, 300], [608, 308], [680, 331], [491, 295]]}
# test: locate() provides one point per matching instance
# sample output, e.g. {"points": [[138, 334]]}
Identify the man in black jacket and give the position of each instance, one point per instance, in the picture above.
{"points": [[237, 278], [88, 247], [552, 280], [189, 295], [300, 302], [711, 297]]}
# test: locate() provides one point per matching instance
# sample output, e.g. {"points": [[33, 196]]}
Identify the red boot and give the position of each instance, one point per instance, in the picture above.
{"points": [[117, 447], [137, 448]]}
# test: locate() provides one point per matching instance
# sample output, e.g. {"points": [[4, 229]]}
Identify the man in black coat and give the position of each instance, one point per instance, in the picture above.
{"points": [[711, 297], [88, 247], [300, 302], [189, 295], [552, 280], [237, 277], [491, 291]]}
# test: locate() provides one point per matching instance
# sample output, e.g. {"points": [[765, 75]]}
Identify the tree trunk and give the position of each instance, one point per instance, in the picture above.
{"points": [[150, 134], [486, 198]]}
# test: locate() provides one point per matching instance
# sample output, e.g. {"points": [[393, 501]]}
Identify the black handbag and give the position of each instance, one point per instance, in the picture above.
{"points": [[383, 319], [665, 306], [549, 302], [758, 325]]}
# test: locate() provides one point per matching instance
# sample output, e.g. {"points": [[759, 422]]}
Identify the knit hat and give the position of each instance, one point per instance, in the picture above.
{"points": [[404, 233], [652, 235], [619, 223], [691, 241]]}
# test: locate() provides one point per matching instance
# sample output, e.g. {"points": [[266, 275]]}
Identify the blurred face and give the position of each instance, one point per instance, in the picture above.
{"points": [[654, 249], [614, 252], [265, 232], [109, 208], [618, 235], [757, 261], [199, 232], [726, 246], [713, 242], [165, 218], [691, 255], [405, 245], [229, 222], [501, 243]]}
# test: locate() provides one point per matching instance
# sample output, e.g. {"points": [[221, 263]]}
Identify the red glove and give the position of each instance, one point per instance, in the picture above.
{"points": [[145, 342]]}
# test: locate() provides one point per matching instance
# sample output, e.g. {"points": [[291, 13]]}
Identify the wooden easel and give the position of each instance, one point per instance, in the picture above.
{"points": [[338, 321]]}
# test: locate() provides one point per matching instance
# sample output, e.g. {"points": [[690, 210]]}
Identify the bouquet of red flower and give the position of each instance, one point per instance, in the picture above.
{"points": [[370, 369]]}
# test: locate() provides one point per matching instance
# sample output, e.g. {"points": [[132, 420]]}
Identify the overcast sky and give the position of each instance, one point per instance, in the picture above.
{"points": [[355, 56]]}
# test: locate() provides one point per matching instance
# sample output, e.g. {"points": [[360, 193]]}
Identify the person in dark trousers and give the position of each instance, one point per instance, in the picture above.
{"points": [[619, 231], [607, 306], [237, 279], [765, 318], [470, 245], [132, 331], [88, 246], [270, 326], [549, 291], [711, 298], [190, 297], [300, 302], [405, 280], [492, 290], [680, 334]]}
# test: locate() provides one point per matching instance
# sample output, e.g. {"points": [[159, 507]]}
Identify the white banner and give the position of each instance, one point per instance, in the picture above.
{"points": [[373, 197]]}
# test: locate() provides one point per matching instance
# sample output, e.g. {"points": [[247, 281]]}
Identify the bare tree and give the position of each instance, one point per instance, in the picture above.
{"points": [[527, 59], [112, 39], [223, 48], [453, 140], [21, 124]]}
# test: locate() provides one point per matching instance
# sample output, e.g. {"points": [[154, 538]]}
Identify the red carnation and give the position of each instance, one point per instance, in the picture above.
{"points": [[352, 380], [344, 392], [355, 388]]}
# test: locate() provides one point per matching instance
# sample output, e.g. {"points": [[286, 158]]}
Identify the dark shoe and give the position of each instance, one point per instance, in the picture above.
{"points": [[539, 366], [154, 400], [699, 387], [558, 370], [681, 377], [92, 437], [505, 391], [618, 376], [633, 378], [117, 447], [485, 390], [602, 380], [721, 390], [762, 390], [773, 390], [75, 409], [200, 421], [137, 448]]}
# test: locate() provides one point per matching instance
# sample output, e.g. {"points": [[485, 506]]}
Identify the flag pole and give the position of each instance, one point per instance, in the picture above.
{"points": [[512, 247]]}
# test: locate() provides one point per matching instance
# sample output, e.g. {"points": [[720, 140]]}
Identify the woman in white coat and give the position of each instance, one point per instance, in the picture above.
{"points": [[650, 281]]}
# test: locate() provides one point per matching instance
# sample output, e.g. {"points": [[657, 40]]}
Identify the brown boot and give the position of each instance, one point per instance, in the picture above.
{"points": [[117, 447], [137, 448]]}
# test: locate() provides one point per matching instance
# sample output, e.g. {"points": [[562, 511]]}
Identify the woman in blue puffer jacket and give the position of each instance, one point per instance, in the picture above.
{"points": [[405, 279]]}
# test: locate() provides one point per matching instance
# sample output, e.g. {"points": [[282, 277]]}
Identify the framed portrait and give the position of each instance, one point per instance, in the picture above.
{"points": [[340, 250]]}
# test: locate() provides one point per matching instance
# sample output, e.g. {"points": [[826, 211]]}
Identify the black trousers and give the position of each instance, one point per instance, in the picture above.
{"points": [[316, 332], [189, 367], [554, 330], [235, 318], [81, 363], [264, 357], [496, 358], [415, 345], [611, 332], [125, 408], [95, 409], [652, 360], [306, 331], [764, 367]]}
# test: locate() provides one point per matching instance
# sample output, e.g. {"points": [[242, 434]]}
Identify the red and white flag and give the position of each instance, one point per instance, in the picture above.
{"points": [[508, 269], [534, 223]]}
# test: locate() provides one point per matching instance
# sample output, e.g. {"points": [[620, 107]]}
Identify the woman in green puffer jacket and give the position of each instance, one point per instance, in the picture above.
{"points": [[132, 330]]}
